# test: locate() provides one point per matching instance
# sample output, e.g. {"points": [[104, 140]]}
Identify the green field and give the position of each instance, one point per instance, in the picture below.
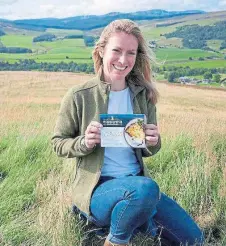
{"points": [[214, 44], [202, 64], [174, 54], [19, 41], [56, 51], [172, 51], [63, 43], [64, 32]]}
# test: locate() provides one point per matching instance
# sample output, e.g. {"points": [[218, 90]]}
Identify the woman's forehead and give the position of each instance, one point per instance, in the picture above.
{"points": [[123, 39]]}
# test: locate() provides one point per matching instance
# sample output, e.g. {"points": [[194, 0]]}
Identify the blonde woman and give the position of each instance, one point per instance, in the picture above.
{"points": [[112, 186]]}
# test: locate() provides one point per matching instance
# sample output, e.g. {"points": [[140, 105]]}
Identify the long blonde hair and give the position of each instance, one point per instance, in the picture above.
{"points": [[141, 72]]}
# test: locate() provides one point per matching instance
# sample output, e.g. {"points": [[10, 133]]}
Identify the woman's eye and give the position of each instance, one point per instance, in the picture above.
{"points": [[115, 50], [132, 53]]}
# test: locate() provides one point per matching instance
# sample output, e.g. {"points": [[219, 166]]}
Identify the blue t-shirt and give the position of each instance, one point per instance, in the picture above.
{"points": [[119, 162]]}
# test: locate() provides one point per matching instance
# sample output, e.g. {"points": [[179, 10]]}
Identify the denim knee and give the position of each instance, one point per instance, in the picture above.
{"points": [[147, 192]]}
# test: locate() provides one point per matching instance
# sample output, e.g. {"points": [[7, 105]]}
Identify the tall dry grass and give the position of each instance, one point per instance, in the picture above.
{"points": [[35, 186]]}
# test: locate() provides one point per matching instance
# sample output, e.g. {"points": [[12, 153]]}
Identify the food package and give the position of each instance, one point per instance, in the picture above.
{"points": [[123, 130]]}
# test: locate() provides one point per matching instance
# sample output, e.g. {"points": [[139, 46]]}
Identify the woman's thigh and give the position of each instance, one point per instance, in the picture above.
{"points": [[175, 224], [140, 191]]}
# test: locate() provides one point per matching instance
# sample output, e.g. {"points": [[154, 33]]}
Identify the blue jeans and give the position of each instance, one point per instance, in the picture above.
{"points": [[134, 203]]}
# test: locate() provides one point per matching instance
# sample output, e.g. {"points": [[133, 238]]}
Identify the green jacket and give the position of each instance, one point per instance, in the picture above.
{"points": [[82, 104]]}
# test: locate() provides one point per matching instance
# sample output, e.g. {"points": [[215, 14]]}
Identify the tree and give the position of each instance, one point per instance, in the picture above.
{"points": [[171, 77], [44, 37], [217, 78], [207, 75]]}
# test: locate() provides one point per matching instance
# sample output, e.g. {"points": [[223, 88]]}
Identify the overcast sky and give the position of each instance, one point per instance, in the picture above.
{"points": [[24, 9]]}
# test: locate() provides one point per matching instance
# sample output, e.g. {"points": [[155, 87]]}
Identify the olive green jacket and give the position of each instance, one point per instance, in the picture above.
{"points": [[82, 104]]}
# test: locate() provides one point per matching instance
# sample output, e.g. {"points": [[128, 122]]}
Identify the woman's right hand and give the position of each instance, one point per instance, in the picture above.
{"points": [[92, 134]]}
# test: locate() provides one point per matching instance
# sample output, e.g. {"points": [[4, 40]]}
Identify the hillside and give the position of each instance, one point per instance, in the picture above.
{"points": [[90, 22], [75, 46], [35, 185]]}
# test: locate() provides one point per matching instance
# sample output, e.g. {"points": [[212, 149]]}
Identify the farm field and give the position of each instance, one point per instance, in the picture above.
{"points": [[172, 50], [174, 54], [202, 64], [35, 185]]}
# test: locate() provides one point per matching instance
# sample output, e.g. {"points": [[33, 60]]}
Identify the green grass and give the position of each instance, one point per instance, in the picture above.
{"points": [[32, 177], [77, 54], [214, 44], [182, 172], [202, 64], [64, 43], [63, 32], [151, 33], [19, 41], [70, 50], [57, 51], [174, 54]]}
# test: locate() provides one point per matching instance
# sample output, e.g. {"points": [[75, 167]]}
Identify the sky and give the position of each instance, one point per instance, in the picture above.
{"points": [[28, 9]]}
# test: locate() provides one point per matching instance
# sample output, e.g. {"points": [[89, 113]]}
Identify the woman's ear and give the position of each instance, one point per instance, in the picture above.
{"points": [[101, 53]]}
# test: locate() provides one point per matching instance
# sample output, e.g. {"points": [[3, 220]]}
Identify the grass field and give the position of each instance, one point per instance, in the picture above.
{"points": [[174, 54], [214, 44], [19, 41], [35, 186], [64, 32], [202, 64]]}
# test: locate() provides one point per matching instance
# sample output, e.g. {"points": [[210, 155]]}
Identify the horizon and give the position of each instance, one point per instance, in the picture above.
{"points": [[40, 9], [121, 12]]}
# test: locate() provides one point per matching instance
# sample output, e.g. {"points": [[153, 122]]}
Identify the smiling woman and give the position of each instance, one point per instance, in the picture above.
{"points": [[112, 186], [119, 56]]}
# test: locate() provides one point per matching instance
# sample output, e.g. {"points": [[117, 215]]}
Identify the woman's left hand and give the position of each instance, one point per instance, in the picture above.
{"points": [[151, 134]]}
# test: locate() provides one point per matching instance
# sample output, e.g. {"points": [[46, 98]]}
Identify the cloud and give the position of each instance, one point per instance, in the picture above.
{"points": [[7, 2], [222, 3], [22, 9]]}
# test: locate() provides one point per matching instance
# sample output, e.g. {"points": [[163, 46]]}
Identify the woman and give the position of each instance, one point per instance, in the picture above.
{"points": [[111, 185]]}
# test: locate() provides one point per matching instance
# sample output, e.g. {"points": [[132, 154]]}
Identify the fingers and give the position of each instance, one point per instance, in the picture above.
{"points": [[151, 134], [92, 134], [90, 143], [94, 127], [152, 139]]}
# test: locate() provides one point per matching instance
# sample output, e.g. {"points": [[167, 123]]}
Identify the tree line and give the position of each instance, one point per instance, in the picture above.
{"points": [[88, 40], [14, 50], [195, 36], [44, 37], [32, 65], [171, 73], [2, 33]]}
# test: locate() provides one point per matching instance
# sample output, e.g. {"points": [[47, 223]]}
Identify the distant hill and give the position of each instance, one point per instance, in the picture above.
{"points": [[95, 21]]}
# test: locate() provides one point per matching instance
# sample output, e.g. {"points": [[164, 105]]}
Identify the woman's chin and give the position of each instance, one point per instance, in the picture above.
{"points": [[118, 77]]}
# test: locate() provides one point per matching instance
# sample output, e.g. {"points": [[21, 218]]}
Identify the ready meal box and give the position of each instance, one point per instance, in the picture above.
{"points": [[123, 130]]}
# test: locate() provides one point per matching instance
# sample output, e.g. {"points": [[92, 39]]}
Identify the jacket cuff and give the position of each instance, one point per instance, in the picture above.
{"points": [[84, 148], [151, 150]]}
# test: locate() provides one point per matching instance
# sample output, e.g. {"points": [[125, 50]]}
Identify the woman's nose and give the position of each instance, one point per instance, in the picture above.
{"points": [[122, 59]]}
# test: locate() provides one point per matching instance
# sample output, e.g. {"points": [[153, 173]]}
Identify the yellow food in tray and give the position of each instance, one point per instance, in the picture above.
{"points": [[136, 130]]}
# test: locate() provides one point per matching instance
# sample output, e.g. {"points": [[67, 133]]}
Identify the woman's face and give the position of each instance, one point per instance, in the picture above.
{"points": [[119, 56]]}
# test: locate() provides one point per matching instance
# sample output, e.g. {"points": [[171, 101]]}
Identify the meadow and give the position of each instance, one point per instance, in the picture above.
{"points": [[199, 64], [35, 185]]}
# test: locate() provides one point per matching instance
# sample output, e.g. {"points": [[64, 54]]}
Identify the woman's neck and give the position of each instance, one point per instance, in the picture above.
{"points": [[118, 87]]}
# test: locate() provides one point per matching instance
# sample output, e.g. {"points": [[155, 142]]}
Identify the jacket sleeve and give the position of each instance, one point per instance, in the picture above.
{"points": [[66, 140], [151, 119]]}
